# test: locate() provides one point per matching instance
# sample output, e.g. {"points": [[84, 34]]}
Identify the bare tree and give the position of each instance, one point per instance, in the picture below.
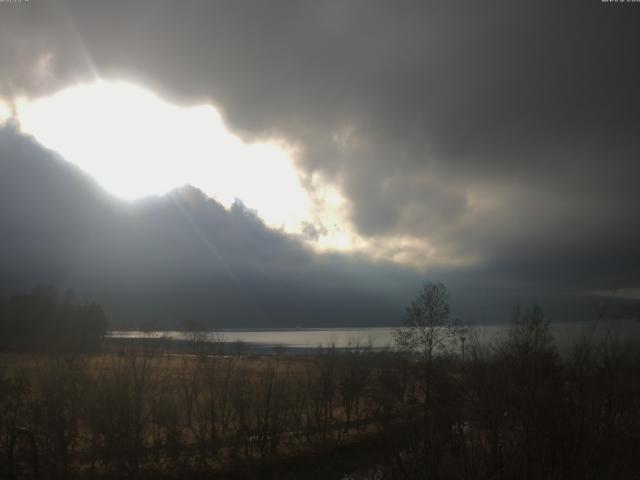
{"points": [[427, 325], [196, 334]]}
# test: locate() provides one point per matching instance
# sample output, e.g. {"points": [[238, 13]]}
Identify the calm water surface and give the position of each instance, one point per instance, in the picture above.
{"points": [[382, 337]]}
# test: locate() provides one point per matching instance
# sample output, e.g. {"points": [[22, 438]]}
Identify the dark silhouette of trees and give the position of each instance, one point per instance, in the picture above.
{"points": [[44, 320], [196, 333], [427, 328], [515, 407]]}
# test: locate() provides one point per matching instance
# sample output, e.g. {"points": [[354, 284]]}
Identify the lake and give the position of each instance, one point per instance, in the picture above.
{"points": [[309, 339]]}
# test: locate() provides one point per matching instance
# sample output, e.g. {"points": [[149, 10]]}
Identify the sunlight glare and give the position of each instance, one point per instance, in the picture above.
{"points": [[136, 144], [5, 112]]}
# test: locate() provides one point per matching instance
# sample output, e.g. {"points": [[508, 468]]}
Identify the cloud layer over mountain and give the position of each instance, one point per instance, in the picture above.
{"points": [[501, 137], [178, 257]]}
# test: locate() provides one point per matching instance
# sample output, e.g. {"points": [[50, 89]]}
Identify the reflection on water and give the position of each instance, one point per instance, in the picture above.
{"points": [[565, 334]]}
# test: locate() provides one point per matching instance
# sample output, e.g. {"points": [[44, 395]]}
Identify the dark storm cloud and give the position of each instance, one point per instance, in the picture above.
{"points": [[176, 257], [504, 131]]}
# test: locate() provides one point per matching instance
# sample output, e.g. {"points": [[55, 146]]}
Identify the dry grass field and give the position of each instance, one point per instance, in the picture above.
{"points": [[516, 409]]}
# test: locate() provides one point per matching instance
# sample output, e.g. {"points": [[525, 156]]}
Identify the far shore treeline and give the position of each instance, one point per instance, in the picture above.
{"points": [[47, 320]]}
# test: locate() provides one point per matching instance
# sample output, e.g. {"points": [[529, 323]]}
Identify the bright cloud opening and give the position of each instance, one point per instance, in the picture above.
{"points": [[136, 144], [5, 112]]}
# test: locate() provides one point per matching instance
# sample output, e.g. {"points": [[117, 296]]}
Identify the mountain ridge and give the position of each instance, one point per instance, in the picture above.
{"points": [[169, 258]]}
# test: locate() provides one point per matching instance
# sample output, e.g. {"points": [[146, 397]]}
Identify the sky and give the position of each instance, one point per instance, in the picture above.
{"points": [[493, 142]]}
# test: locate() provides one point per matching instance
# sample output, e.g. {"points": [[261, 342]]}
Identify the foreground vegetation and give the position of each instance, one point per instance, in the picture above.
{"points": [[515, 409]]}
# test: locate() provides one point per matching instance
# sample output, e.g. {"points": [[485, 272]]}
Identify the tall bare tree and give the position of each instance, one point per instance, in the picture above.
{"points": [[427, 325]]}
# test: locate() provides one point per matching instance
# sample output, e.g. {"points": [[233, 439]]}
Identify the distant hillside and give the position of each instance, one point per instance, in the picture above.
{"points": [[162, 261]]}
